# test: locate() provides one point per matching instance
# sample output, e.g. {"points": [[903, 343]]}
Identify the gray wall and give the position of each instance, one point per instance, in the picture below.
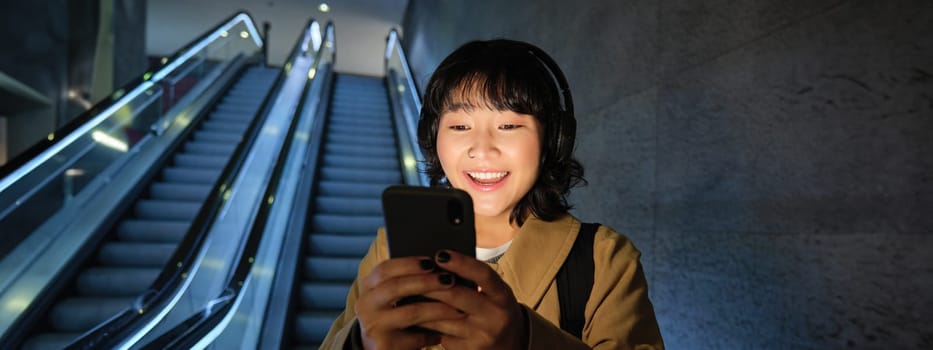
{"points": [[49, 45], [773, 160], [360, 26], [34, 43]]}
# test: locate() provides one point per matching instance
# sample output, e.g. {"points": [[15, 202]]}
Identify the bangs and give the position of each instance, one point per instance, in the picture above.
{"points": [[499, 87]]}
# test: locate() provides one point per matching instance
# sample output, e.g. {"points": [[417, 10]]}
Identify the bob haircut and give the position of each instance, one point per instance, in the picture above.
{"points": [[507, 75]]}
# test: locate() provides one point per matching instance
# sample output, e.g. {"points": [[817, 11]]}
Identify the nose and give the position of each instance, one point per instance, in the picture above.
{"points": [[484, 146]]}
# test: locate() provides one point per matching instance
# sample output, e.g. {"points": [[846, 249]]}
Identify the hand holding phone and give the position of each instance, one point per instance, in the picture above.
{"points": [[420, 221]]}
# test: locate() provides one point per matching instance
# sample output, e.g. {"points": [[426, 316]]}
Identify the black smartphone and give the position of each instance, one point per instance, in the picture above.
{"points": [[422, 220]]}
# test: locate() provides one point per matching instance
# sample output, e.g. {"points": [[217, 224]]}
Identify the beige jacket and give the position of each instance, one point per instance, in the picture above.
{"points": [[618, 313]]}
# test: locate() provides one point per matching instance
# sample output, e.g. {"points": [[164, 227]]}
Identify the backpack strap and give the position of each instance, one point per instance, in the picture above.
{"points": [[575, 281]]}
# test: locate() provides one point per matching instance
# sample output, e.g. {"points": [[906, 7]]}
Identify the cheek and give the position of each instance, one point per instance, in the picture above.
{"points": [[530, 153], [446, 152]]}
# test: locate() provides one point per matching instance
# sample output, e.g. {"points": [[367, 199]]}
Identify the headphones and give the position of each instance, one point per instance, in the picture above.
{"points": [[565, 116]]}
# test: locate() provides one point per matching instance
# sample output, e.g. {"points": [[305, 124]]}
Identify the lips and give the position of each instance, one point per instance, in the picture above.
{"points": [[486, 180]]}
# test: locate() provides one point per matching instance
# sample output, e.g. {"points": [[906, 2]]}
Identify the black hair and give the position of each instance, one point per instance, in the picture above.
{"points": [[514, 76]]}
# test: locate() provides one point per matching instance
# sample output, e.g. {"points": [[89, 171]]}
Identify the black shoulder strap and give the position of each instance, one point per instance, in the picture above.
{"points": [[575, 281]]}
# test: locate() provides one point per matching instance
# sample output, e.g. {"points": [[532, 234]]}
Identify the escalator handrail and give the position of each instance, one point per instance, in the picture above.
{"points": [[182, 260], [196, 327], [408, 130], [395, 41], [35, 155]]}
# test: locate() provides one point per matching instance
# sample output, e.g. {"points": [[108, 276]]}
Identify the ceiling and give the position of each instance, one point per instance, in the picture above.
{"points": [[360, 26]]}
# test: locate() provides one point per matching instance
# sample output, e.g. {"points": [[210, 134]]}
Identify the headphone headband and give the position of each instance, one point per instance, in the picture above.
{"points": [[563, 89]]}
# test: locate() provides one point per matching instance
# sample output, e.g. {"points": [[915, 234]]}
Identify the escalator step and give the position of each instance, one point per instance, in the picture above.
{"points": [[360, 120], [336, 161], [312, 327], [331, 269], [179, 191], [152, 231], [209, 148], [200, 160], [360, 132], [348, 206], [127, 254], [166, 210], [385, 142], [238, 106], [357, 175], [362, 116], [219, 137], [357, 110], [190, 175], [225, 126], [245, 88], [81, 314], [115, 281], [361, 151], [355, 134], [324, 296], [323, 244], [346, 224], [351, 189], [361, 136], [244, 103]]}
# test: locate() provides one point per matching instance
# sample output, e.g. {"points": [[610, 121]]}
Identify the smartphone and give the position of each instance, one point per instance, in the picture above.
{"points": [[422, 220]]}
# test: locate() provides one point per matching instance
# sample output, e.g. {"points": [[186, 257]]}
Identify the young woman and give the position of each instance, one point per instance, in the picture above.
{"points": [[497, 122]]}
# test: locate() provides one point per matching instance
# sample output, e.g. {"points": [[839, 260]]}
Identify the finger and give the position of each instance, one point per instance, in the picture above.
{"points": [[474, 270], [389, 292], [392, 268], [403, 317], [403, 340], [449, 328], [465, 299], [425, 312]]}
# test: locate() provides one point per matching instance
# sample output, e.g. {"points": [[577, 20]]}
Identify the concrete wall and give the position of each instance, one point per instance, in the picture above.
{"points": [[35, 37], [50, 46], [773, 160]]}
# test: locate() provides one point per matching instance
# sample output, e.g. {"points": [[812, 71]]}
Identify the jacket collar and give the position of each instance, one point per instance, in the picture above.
{"points": [[536, 254]]}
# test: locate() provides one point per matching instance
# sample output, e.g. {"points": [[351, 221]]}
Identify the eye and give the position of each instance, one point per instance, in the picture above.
{"points": [[509, 126], [459, 127]]}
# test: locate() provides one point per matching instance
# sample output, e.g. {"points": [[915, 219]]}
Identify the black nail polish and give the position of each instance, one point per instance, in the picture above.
{"points": [[443, 256], [446, 279], [427, 264]]}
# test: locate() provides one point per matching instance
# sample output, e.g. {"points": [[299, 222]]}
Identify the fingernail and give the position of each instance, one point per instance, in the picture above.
{"points": [[443, 256], [446, 279], [427, 264]]}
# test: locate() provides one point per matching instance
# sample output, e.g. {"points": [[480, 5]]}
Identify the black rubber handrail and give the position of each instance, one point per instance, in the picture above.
{"points": [[194, 328], [411, 77], [172, 276], [60, 133], [407, 137]]}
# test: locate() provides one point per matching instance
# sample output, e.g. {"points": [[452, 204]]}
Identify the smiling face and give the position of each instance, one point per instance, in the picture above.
{"points": [[492, 155]]}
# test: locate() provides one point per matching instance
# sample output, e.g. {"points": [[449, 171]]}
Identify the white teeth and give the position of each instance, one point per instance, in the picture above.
{"points": [[488, 175]]}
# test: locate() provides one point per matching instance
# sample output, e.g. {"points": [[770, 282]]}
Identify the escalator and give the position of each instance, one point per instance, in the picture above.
{"points": [[136, 249], [359, 159]]}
